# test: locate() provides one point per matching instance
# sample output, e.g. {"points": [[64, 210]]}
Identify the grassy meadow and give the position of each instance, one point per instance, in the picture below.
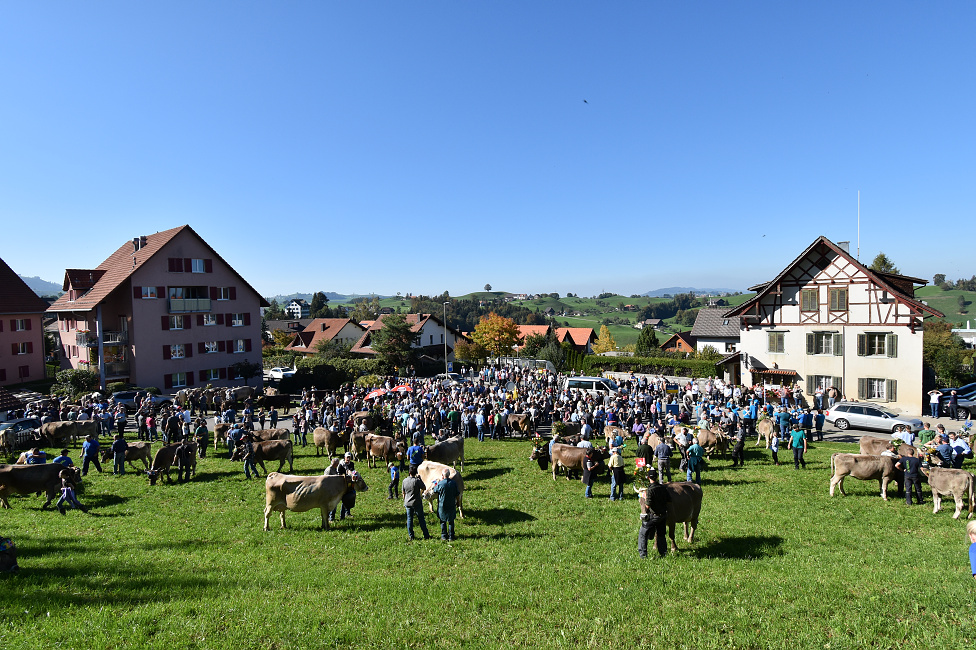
{"points": [[776, 563]]}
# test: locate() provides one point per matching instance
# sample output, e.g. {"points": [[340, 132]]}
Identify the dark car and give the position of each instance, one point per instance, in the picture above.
{"points": [[23, 430], [129, 398], [964, 407]]}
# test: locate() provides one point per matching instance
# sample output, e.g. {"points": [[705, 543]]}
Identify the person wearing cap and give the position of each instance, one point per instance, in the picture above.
{"points": [[64, 459], [654, 501], [616, 465]]}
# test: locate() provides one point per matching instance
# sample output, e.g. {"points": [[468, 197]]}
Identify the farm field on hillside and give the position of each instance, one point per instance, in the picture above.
{"points": [[948, 303], [776, 563]]}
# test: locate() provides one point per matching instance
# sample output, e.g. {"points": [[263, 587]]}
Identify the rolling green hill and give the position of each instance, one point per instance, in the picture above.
{"points": [[948, 303]]}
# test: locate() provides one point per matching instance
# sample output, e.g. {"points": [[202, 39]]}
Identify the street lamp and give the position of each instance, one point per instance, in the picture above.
{"points": [[445, 342]]}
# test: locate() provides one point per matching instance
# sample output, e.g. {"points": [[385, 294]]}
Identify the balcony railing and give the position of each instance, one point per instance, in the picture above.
{"points": [[89, 340], [116, 370], [188, 305]]}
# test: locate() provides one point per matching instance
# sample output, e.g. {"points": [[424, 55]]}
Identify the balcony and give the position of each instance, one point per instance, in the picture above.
{"points": [[115, 370], [89, 340], [188, 305], [86, 340]]}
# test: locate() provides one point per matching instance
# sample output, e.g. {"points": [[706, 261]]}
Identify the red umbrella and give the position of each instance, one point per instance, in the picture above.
{"points": [[403, 388], [379, 392]]}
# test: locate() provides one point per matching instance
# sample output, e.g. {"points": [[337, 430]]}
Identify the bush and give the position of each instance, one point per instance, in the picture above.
{"points": [[368, 381], [655, 366], [74, 383], [116, 386]]}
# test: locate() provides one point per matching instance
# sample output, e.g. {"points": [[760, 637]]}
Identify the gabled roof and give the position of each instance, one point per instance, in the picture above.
{"points": [[299, 301], [579, 336], [712, 323], [80, 279], [288, 324], [9, 401], [124, 262], [319, 330], [15, 296], [897, 285], [416, 321], [684, 336], [526, 331]]}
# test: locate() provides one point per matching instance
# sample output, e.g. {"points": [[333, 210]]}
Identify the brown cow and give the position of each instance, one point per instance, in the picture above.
{"points": [[220, 435], [430, 473], [565, 456], [359, 418], [873, 446], [166, 457], [271, 434], [956, 482], [357, 442], [136, 450], [448, 452], [521, 422], [712, 441], [302, 493], [28, 479], [322, 437], [58, 434], [279, 450], [866, 468], [610, 432], [764, 429], [383, 447], [685, 506]]}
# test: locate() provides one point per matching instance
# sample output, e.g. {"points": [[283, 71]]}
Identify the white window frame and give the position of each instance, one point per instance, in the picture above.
{"points": [[210, 347], [20, 324], [176, 292], [174, 319], [177, 351], [209, 319], [213, 374], [223, 293], [21, 349], [198, 266], [179, 379], [149, 293], [823, 343], [239, 346], [879, 347], [876, 389], [237, 320]]}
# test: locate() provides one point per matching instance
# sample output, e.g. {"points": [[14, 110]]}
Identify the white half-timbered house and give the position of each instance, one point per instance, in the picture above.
{"points": [[827, 320]]}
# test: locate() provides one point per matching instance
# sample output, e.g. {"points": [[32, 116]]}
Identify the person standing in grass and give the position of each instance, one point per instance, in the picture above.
{"points": [[616, 475], [774, 446], [738, 451], [413, 492], [912, 466], [394, 486], [798, 441], [589, 471], [663, 454], [119, 446], [447, 492], [654, 501], [695, 459]]}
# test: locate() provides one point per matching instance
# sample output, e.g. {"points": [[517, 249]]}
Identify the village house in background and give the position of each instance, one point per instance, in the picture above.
{"points": [[580, 338], [164, 310], [679, 342], [298, 308], [827, 320], [430, 344], [341, 331], [21, 330], [712, 327]]}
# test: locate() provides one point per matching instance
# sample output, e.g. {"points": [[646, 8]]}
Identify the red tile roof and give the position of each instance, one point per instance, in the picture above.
{"points": [[15, 296], [526, 331], [579, 336], [319, 330]]}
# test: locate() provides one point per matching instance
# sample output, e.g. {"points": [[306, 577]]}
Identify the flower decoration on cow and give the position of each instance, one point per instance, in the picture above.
{"points": [[641, 480]]}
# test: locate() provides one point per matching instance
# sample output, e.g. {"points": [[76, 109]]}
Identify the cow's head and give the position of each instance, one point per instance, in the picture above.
{"points": [[153, 475], [354, 481], [541, 455], [238, 453]]}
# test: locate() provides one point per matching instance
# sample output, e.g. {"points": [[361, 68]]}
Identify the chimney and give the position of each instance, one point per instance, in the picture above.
{"points": [[135, 244], [845, 245]]}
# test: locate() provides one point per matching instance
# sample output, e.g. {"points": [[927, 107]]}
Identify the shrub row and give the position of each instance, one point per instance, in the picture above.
{"points": [[655, 366]]}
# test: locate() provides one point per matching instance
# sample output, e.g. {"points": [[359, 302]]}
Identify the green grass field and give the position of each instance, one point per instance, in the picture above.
{"points": [[948, 303], [776, 563]]}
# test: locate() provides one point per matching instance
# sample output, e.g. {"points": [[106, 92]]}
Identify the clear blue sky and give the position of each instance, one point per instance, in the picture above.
{"points": [[430, 146]]}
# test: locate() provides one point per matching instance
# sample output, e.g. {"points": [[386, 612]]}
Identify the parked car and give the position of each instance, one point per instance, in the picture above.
{"points": [[592, 386], [456, 378], [280, 373], [129, 398], [22, 429], [964, 408], [866, 415]]}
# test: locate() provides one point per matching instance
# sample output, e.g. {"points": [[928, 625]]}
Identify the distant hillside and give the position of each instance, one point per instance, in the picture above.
{"points": [[42, 287], [331, 295], [670, 291]]}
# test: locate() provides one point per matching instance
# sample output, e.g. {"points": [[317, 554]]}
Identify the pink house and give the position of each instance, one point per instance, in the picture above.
{"points": [[21, 331], [164, 310]]}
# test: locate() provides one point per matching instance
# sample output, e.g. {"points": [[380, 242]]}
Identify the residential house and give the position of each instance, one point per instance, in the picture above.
{"points": [[680, 342], [433, 336], [341, 331], [164, 310], [298, 308], [21, 330], [828, 320], [526, 331], [290, 326], [713, 328], [648, 322], [581, 338]]}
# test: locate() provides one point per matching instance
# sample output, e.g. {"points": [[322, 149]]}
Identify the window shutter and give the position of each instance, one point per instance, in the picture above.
{"points": [[187, 265], [220, 319], [203, 376], [13, 348], [189, 378], [892, 390], [221, 346], [811, 345], [838, 384], [1, 324], [27, 322], [201, 347], [13, 324], [230, 346], [862, 387], [167, 381], [862, 345], [136, 292], [810, 387], [214, 293], [838, 345], [247, 318], [187, 321], [172, 264], [247, 345], [233, 293], [30, 347], [199, 320], [160, 292], [229, 320], [208, 266], [891, 346], [222, 373], [167, 353], [165, 322], [188, 347], [230, 372]]}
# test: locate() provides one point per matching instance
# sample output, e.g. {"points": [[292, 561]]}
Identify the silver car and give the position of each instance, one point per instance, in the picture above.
{"points": [[865, 415]]}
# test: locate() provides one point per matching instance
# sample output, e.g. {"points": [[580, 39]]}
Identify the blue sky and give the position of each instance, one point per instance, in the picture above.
{"points": [[430, 146]]}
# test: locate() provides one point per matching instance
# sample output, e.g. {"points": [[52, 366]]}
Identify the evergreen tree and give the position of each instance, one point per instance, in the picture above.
{"points": [[647, 343]]}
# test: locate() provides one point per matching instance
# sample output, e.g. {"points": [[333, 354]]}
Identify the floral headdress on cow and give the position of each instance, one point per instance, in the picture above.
{"points": [[967, 429]]}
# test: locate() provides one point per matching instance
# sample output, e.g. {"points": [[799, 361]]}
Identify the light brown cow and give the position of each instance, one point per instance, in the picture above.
{"points": [[330, 440], [956, 482], [430, 473], [166, 457], [360, 418], [357, 442], [58, 434], [271, 434], [448, 452], [874, 446], [279, 450], [136, 450], [712, 440], [764, 431], [610, 432], [220, 435], [685, 506], [521, 422], [383, 447], [302, 493], [866, 468]]}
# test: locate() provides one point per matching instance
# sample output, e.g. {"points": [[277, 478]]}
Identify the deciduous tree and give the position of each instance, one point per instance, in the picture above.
{"points": [[883, 264], [487, 287], [605, 341], [472, 353], [944, 352], [496, 334]]}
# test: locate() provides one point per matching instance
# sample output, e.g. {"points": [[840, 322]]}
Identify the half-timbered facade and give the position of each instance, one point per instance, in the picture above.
{"points": [[827, 320]]}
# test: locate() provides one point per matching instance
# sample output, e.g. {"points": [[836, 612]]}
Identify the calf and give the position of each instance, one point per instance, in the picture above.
{"points": [[955, 482], [303, 493], [866, 468]]}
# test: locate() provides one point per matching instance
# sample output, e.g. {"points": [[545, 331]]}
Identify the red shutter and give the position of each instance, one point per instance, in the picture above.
{"points": [[220, 319], [160, 292], [165, 322], [199, 320], [233, 293], [30, 346], [201, 347], [187, 265], [208, 266], [230, 372], [247, 345], [167, 381], [247, 318], [229, 320], [189, 350], [203, 376], [189, 378], [222, 373], [136, 292], [187, 321], [1, 325], [230, 346], [221, 346], [27, 321], [167, 353], [13, 348], [3, 375], [13, 324], [214, 293], [172, 264]]}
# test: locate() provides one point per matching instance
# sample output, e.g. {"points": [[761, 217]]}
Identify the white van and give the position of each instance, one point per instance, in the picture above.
{"points": [[591, 385]]}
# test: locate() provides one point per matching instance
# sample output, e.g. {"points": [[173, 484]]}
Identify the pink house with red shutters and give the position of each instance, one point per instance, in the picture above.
{"points": [[21, 331], [164, 310]]}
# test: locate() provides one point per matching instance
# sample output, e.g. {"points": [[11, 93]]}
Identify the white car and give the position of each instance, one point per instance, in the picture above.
{"points": [[280, 373]]}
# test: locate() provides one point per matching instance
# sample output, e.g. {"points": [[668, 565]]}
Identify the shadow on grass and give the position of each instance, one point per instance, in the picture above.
{"points": [[748, 547], [500, 516], [482, 474], [706, 481], [496, 536]]}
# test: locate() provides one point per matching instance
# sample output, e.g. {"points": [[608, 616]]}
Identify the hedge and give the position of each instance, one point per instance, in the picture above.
{"points": [[655, 366]]}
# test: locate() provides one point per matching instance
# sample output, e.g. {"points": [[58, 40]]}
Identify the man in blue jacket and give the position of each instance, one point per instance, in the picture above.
{"points": [[447, 492]]}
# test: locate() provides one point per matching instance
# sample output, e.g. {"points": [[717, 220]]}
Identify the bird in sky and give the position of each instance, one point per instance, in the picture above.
{"points": [[585, 102]]}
